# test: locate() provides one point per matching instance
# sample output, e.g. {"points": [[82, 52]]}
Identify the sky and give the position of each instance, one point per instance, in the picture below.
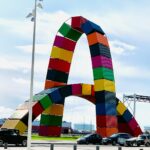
{"points": [[126, 24]]}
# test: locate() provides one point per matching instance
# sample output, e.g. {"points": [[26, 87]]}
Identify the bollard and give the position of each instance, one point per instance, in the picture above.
{"points": [[52, 147], [141, 149], [75, 147], [5, 145], [119, 148], [97, 147]]}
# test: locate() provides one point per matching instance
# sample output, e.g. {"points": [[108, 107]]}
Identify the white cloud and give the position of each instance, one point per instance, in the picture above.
{"points": [[41, 49], [10, 63], [5, 112], [47, 26], [126, 70], [119, 47]]}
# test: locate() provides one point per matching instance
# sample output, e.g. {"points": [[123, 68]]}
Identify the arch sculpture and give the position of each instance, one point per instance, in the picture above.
{"points": [[112, 116]]}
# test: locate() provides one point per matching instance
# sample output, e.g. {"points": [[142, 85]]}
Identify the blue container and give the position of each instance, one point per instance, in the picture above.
{"points": [[127, 116], [66, 91], [56, 97], [105, 97], [106, 109], [89, 27], [99, 49]]}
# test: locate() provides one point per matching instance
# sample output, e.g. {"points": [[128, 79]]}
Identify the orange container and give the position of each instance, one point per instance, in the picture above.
{"points": [[105, 132], [96, 37], [51, 84], [57, 110]]}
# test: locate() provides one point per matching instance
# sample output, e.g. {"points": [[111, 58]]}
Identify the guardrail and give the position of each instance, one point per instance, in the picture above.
{"points": [[75, 146]]}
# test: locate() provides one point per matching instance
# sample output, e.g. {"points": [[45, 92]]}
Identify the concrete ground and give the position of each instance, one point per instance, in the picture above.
{"points": [[40, 145]]}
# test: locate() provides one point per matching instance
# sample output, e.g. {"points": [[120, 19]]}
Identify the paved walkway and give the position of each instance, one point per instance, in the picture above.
{"points": [[45, 145]]}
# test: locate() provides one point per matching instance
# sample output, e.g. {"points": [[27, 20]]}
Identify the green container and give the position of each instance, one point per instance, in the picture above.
{"points": [[46, 102], [50, 120], [69, 32], [103, 73], [44, 119]]}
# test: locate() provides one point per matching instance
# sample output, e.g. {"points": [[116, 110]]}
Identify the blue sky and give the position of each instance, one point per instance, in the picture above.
{"points": [[126, 24]]}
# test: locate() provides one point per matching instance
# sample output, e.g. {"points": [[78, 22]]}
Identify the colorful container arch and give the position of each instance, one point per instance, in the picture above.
{"points": [[112, 116]]}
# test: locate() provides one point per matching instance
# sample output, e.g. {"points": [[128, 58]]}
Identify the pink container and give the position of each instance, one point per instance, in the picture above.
{"points": [[133, 124], [101, 61], [76, 89], [64, 43]]}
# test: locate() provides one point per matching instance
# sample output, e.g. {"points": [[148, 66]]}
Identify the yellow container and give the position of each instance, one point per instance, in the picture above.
{"points": [[47, 111], [103, 84], [121, 108], [61, 54], [55, 109], [18, 114], [15, 124], [10, 124], [86, 89], [21, 127]]}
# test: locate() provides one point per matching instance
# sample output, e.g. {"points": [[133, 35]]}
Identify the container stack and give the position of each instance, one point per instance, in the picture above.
{"points": [[50, 102], [126, 121], [52, 108]]}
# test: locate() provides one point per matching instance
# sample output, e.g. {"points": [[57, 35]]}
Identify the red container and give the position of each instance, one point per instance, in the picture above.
{"points": [[77, 22], [106, 121], [76, 89], [59, 65], [64, 43], [37, 109], [133, 124], [54, 131], [43, 131], [137, 131], [123, 127], [90, 98], [93, 91]]}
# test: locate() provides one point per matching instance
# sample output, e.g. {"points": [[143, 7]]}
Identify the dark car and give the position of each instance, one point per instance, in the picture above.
{"points": [[131, 141], [12, 136], [143, 139], [118, 138], [90, 139]]}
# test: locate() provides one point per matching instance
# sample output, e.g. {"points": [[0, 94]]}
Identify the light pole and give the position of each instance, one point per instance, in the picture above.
{"points": [[33, 18]]}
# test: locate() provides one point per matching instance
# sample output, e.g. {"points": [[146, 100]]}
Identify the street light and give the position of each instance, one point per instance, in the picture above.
{"points": [[32, 15]]}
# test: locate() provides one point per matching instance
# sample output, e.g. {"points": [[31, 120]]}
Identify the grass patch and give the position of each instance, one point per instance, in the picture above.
{"points": [[62, 138]]}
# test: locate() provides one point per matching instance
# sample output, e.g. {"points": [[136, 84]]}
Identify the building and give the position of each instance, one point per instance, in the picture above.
{"points": [[147, 129], [2, 120], [83, 127]]}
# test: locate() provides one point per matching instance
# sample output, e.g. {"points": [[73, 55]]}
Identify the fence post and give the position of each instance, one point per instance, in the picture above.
{"points": [[5, 145], [52, 147], [119, 148], [75, 147], [97, 147]]}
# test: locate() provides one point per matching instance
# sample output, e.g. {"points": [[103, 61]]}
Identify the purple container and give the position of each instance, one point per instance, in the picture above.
{"points": [[64, 43], [76, 89], [101, 61]]}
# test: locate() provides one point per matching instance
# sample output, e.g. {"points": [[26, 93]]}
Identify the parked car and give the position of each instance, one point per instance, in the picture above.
{"points": [[12, 136], [90, 139], [143, 139], [118, 138], [131, 142]]}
